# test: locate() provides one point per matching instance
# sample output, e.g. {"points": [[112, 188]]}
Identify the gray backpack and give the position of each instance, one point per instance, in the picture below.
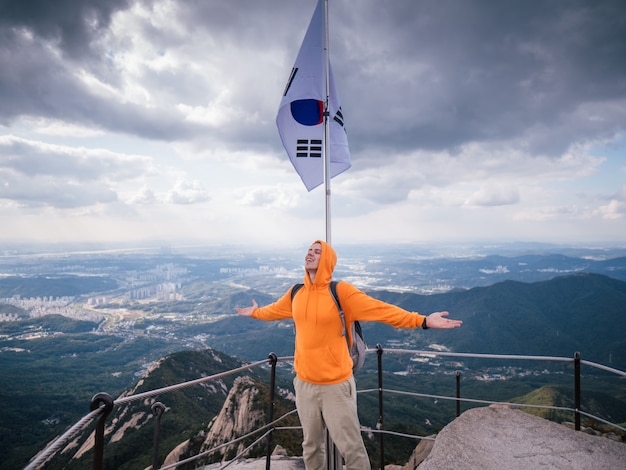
{"points": [[358, 347]]}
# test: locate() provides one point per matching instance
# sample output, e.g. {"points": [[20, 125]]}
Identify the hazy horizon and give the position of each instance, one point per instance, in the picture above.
{"points": [[296, 250]]}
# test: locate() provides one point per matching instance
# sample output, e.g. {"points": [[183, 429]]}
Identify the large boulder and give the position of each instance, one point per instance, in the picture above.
{"points": [[495, 438]]}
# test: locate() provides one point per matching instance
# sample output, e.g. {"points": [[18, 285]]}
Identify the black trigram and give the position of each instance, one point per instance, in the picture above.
{"points": [[309, 148], [339, 117], [292, 75]]}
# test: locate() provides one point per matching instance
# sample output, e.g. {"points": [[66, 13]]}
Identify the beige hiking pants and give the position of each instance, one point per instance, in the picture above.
{"points": [[333, 407]]}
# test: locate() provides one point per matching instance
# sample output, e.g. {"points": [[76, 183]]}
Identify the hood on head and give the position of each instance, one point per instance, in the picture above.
{"points": [[326, 266]]}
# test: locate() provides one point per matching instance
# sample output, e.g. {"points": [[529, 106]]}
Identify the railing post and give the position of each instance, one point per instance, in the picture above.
{"points": [[106, 401], [381, 415], [577, 391], [458, 393], [158, 409], [333, 456], [268, 455]]}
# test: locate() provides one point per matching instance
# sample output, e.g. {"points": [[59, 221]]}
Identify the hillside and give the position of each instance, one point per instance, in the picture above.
{"points": [[130, 427], [48, 382], [595, 402], [582, 312], [191, 413]]}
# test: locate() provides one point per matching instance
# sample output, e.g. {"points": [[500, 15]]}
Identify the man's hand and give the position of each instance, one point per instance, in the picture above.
{"points": [[247, 311], [437, 320]]}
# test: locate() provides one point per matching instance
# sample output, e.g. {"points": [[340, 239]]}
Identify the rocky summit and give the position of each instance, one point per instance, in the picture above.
{"points": [[494, 438]]}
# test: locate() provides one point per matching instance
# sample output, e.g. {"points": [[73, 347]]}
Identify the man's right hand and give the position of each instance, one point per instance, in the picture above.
{"points": [[247, 311]]}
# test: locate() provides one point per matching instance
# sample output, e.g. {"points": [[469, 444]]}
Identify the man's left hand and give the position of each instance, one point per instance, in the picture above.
{"points": [[437, 320]]}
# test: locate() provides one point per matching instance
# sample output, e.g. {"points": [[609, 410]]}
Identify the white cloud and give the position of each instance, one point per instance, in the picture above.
{"points": [[494, 195], [143, 197], [613, 210], [36, 173], [54, 127], [187, 192], [277, 197]]}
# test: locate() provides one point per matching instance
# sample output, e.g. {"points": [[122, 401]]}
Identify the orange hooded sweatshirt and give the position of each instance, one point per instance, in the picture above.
{"points": [[321, 354]]}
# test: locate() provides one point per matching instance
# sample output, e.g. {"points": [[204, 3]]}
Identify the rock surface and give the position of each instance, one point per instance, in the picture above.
{"points": [[278, 463], [498, 438], [237, 417], [495, 438]]}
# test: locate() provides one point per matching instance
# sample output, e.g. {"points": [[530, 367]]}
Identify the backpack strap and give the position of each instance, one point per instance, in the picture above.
{"points": [[295, 289], [333, 291]]}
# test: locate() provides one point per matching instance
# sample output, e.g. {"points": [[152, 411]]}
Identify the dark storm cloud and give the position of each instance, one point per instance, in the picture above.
{"points": [[34, 81], [446, 73], [429, 75], [72, 24]]}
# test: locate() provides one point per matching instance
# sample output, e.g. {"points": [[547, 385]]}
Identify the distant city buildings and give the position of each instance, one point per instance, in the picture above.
{"points": [[41, 306]]}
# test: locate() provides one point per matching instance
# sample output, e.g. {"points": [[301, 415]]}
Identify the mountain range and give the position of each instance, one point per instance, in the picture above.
{"points": [[581, 312]]}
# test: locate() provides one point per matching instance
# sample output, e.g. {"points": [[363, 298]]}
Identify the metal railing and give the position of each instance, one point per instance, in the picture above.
{"points": [[102, 404]]}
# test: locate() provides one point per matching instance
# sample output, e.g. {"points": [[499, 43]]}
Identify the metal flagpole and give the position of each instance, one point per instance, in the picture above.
{"points": [[326, 127], [333, 457]]}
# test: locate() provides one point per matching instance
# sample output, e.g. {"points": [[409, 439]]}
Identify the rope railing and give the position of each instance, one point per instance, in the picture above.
{"points": [[603, 367], [102, 405], [269, 427], [245, 451], [475, 355], [59, 442], [473, 400], [589, 415], [171, 388], [512, 357]]}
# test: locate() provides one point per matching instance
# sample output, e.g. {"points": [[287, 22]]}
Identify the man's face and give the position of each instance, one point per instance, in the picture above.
{"points": [[312, 258]]}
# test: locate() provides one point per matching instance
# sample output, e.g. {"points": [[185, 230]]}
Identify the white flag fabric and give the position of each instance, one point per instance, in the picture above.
{"points": [[300, 118]]}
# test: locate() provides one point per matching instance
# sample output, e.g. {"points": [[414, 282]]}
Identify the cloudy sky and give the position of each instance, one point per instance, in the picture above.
{"points": [[468, 120]]}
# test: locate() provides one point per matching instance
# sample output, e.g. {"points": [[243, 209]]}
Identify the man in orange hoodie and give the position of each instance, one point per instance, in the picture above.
{"points": [[324, 384]]}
